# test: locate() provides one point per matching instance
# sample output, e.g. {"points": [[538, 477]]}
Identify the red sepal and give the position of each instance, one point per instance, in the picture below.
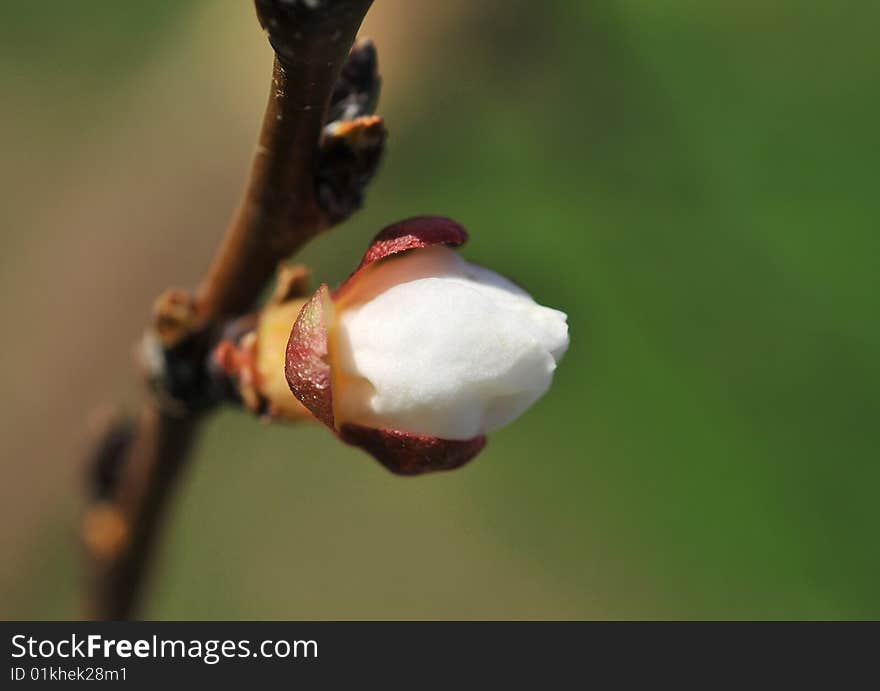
{"points": [[411, 454], [305, 362], [413, 233]]}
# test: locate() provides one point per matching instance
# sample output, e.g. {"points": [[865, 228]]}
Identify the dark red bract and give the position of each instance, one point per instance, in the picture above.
{"points": [[411, 234], [305, 362], [411, 454]]}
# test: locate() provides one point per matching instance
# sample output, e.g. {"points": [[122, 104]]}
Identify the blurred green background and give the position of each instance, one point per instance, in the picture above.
{"points": [[695, 183]]}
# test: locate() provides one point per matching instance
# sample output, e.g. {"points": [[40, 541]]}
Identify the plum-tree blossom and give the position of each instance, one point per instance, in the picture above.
{"points": [[419, 353]]}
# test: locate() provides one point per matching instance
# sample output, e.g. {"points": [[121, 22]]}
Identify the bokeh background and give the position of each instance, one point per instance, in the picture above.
{"points": [[695, 183]]}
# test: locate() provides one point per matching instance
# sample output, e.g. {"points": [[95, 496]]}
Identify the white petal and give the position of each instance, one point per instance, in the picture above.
{"points": [[433, 345]]}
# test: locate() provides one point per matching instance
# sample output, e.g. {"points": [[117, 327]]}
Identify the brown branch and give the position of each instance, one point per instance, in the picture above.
{"points": [[119, 532], [281, 210]]}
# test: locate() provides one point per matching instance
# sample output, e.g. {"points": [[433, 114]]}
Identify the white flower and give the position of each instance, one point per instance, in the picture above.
{"points": [[430, 344], [419, 354]]}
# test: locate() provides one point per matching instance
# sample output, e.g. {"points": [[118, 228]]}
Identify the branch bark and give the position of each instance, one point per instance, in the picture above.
{"points": [[280, 211]]}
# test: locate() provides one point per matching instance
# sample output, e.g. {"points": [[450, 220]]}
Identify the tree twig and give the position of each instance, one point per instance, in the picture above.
{"points": [[297, 187], [280, 212]]}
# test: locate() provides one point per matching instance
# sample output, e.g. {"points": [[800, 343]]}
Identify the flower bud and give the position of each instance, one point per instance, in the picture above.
{"points": [[419, 353]]}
